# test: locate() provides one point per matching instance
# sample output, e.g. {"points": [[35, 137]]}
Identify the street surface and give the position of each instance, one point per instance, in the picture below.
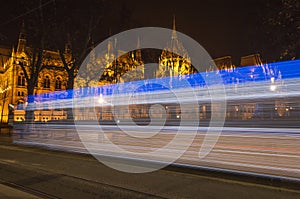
{"points": [[57, 174]]}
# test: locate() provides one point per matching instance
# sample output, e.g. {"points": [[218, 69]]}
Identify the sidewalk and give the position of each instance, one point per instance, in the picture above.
{"points": [[7, 192]]}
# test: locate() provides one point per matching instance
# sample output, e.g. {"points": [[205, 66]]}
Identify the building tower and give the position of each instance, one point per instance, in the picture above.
{"points": [[68, 45], [22, 40], [174, 59]]}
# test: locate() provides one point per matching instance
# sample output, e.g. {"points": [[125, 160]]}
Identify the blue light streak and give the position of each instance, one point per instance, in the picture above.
{"points": [[244, 78]]}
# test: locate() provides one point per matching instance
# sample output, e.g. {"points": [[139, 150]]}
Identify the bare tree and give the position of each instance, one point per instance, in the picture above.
{"points": [[78, 27], [31, 73], [33, 64], [283, 25]]}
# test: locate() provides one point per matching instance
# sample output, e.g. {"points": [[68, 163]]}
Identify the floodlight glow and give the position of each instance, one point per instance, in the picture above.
{"points": [[101, 100], [273, 87], [272, 80]]}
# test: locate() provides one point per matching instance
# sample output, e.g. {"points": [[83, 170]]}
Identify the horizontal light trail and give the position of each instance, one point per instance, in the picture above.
{"points": [[253, 166], [238, 130], [257, 153], [232, 143], [275, 80], [267, 150], [250, 92], [219, 149]]}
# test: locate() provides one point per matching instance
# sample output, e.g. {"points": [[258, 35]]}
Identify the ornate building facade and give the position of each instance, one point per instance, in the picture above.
{"points": [[13, 93], [118, 67]]}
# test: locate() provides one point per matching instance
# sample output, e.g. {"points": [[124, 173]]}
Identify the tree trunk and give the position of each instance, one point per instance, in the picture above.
{"points": [[70, 86], [29, 115]]}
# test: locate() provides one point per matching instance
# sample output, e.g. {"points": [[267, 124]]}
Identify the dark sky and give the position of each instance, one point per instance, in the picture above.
{"points": [[222, 27]]}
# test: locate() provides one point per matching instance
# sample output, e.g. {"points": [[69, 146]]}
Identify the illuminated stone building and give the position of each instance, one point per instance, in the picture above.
{"points": [[174, 61], [13, 92], [118, 67], [251, 60], [170, 62], [128, 66], [224, 63]]}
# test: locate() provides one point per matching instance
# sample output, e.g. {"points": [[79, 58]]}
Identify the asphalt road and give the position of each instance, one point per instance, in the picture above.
{"points": [[56, 174]]}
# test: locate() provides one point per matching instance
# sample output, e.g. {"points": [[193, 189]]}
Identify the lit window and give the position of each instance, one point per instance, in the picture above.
{"points": [[20, 93], [58, 83], [21, 79], [46, 83]]}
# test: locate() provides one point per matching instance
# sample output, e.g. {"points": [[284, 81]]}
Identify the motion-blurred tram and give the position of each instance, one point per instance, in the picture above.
{"points": [[264, 92]]}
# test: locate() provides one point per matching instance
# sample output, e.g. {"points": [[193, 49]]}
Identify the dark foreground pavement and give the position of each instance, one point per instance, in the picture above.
{"points": [[54, 174]]}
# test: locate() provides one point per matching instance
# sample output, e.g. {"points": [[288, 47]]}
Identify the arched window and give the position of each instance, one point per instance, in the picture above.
{"points": [[46, 83], [20, 93], [21, 79], [58, 83]]}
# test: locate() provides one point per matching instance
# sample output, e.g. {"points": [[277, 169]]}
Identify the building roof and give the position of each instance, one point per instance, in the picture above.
{"points": [[50, 57], [223, 62], [251, 60], [5, 53]]}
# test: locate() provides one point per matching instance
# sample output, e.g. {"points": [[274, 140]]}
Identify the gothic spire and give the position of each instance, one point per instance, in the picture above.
{"points": [[174, 35], [138, 53], [22, 39], [22, 31], [92, 53], [68, 45], [138, 45]]}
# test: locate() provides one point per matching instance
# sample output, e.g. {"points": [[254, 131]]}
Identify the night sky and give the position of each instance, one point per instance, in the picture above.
{"points": [[222, 27]]}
